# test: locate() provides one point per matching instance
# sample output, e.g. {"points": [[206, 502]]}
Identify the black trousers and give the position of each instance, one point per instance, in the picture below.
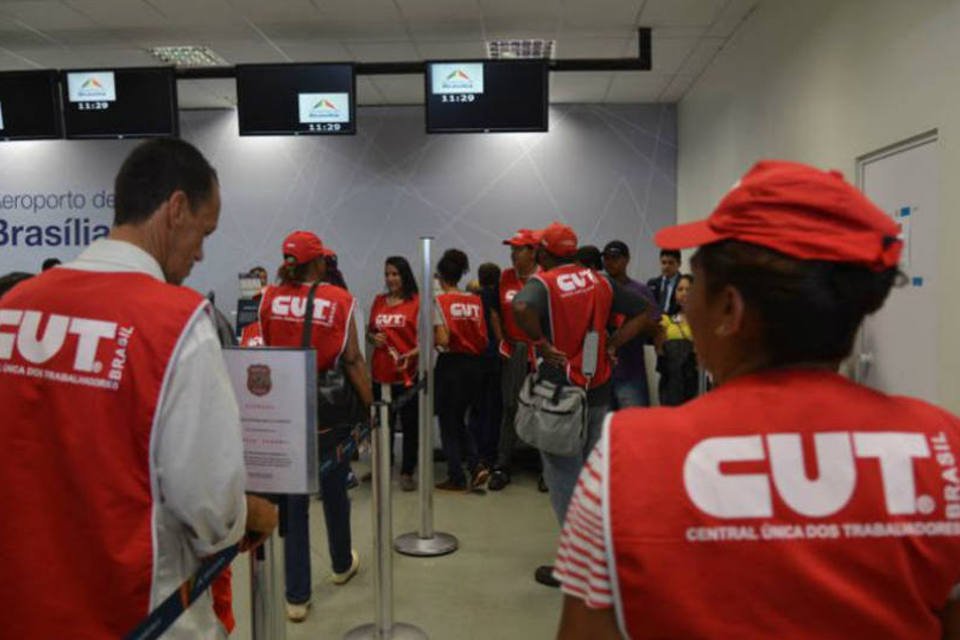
{"points": [[409, 416], [458, 377]]}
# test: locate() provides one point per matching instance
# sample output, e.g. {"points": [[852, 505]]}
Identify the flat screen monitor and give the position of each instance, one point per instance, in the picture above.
{"points": [[120, 103], [29, 105], [296, 99], [486, 96]]}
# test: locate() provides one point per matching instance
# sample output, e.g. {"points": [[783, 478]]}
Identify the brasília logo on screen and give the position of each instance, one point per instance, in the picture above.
{"points": [[460, 77], [91, 85], [324, 107]]}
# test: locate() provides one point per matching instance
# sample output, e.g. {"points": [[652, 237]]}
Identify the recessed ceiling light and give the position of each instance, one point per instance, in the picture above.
{"points": [[188, 56], [520, 49]]}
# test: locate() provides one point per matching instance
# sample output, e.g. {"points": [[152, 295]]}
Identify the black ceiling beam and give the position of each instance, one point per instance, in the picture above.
{"points": [[643, 62]]}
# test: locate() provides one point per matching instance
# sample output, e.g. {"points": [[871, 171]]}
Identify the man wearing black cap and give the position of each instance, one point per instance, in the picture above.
{"points": [[630, 388]]}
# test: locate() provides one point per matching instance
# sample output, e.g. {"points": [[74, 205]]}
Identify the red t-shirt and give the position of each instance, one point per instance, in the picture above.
{"points": [[251, 336], [789, 504], [399, 324], [462, 314], [281, 319]]}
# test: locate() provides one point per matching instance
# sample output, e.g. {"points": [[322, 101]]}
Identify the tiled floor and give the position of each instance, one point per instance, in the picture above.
{"points": [[484, 591]]}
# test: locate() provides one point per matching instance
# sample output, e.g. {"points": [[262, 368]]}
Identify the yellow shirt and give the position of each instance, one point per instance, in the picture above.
{"points": [[676, 330]]}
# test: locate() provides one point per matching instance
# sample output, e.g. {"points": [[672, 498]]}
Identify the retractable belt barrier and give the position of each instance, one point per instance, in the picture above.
{"points": [[161, 618]]}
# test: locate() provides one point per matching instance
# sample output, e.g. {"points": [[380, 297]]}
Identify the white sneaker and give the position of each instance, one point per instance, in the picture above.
{"points": [[297, 612], [343, 578]]}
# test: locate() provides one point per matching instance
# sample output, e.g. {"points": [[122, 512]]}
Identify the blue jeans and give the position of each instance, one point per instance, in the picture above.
{"points": [[632, 392], [562, 472], [296, 541]]}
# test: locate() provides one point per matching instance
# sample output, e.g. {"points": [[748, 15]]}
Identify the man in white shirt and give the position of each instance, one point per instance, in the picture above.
{"points": [[136, 415]]}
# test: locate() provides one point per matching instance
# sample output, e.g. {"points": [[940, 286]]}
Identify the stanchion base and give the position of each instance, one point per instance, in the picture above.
{"points": [[399, 631], [411, 544]]}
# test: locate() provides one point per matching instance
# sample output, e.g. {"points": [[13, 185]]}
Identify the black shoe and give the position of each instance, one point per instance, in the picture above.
{"points": [[542, 485], [544, 575], [498, 480]]}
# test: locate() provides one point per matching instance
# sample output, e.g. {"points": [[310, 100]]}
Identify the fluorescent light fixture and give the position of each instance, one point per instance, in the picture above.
{"points": [[188, 56], [520, 49]]}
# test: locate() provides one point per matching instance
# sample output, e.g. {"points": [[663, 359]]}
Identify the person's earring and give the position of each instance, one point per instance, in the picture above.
{"points": [[721, 330]]}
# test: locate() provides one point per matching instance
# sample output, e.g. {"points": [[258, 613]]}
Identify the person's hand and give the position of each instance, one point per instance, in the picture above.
{"points": [[262, 518], [379, 339], [612, 354], [402, 362], [552, 355]]}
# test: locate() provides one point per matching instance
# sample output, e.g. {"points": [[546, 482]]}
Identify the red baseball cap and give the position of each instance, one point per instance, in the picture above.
{"points": [[524, 238], [304, 246], [559, 239], [800, 211]]}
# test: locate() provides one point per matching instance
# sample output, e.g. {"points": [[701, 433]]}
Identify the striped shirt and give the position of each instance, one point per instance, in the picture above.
{"points": [[583, 562]]}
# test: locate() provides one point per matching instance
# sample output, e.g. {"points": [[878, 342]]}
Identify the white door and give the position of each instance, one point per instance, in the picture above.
{"points": [[900, 344]]}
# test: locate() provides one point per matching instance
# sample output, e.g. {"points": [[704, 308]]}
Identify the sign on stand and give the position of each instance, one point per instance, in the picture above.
{"points": [[275, 389]]}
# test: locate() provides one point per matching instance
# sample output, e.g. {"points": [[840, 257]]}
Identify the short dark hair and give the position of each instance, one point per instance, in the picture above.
{"points": [[408, 284], [670, 253], [452, 266], [488, 274], [590, 256], [50, 263], [809, 310], [153, 171], [12, 279]]}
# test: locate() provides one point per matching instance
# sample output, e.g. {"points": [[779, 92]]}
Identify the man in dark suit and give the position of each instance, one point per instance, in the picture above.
{"points": [[663, 288]]}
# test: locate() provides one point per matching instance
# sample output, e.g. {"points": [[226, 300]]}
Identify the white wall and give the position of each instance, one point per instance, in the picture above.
{"points": [[607, 170], [823, 82]]}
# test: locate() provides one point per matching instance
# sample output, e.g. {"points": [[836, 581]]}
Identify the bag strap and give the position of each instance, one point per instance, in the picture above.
{"points": [[308, 317]]}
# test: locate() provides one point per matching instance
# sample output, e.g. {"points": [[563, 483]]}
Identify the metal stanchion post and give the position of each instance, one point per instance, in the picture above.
{"points": [[268, 618], [383, 628], [426, 542], [703, 382]]}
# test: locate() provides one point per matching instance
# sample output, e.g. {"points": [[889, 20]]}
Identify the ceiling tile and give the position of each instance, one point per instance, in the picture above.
{"points": [[216, 93], [701, 56], [594, 47], [669, 54], [14, 37], [600, 13], [431, 10], [575, 86], [637, 86], [452, 50], [358, 10], [118, 13], [315, 50], [382, 51], [445, 31], [367, 93], [677, 88], [521, 28], [278, 11], [46, 15], [400, 89], [520, 8], [10, 61], [338, 29], [81, 57], [197, 11], [680, 13], [733, 14], [247, 52]]}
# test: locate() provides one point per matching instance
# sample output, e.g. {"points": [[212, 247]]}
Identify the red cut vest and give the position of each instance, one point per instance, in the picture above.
{"points": [[83, 360], [577, 294], [399, 324], [463, 317], [252, 336], [789, 505], [281, 319], [510, 285]]}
